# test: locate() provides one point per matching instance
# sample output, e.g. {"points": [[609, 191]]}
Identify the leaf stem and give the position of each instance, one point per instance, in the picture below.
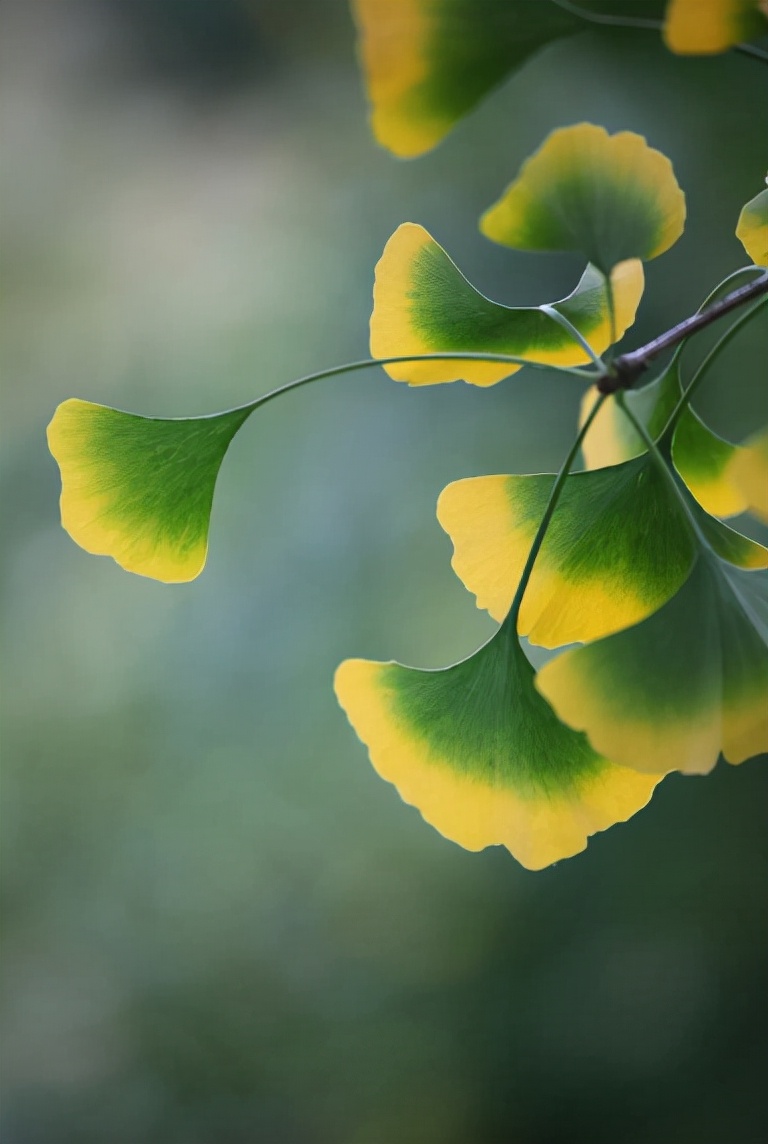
{"points": [[627, 368], [719, 289], [569, 327], [753, 52], [554, 497], [367, 363], [608, 20], [661, 464], [612, 315], [708, 362]]}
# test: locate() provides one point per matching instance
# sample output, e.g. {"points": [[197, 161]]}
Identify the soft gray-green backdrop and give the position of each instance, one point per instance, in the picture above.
{"points": [[220, 926]]}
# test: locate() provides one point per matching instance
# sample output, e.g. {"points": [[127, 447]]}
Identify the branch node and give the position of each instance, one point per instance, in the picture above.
{"points": [[623, 373], [627, 369]]}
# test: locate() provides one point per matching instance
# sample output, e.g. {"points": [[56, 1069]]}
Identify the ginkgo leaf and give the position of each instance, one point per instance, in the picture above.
{"points": [[482, 756], [752, 229], [681, 687], [617, 548], [608, 197], [427, 64], [140, 489], [702, 458], [706, 27], [749, 473], [422, 303]]}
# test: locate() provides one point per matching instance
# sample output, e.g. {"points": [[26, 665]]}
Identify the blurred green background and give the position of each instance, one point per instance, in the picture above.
{"points": [[220, 926]]}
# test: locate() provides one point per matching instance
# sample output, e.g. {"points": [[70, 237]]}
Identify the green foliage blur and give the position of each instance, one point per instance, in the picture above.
{"points": [[220, 926]]}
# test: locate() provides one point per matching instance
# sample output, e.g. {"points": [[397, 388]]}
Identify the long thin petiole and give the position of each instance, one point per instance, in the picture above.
{"points": [[554, 497], [367, 363], [720, 289], [708, 362], [612, 317], [753, 52], [569, 327], [607, 20], [661, 464]]}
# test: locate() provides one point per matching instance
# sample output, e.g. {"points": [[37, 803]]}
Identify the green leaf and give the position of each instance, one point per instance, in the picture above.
{"points": [[607, 197], [140, 489], [427, 64], [618, 547], [620, 544], [674, 691], [482, 756], [703, 459], [423, 304]]}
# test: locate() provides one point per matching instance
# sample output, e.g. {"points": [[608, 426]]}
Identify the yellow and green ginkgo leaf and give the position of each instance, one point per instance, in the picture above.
{"points": [[702, 458], [422, 303], [140, 489], [428, 62], [607, 197], [686, 684], [617, 548], [482, 756], [706, 27], [705, 462], [752, 229], [749, 473]]}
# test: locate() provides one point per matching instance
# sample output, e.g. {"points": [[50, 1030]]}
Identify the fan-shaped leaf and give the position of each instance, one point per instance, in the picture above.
{"points": [[703, 459], [427, 64], [617, 548], [608, 197], [140, 489], [684, 685], [482, 756], [423, 304]]}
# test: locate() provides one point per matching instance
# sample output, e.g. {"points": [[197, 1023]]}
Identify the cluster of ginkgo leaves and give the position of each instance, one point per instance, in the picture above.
{"points": [[629, 559]]}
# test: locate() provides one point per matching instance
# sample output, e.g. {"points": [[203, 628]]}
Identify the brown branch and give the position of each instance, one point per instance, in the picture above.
{"points": [[626, 369]]}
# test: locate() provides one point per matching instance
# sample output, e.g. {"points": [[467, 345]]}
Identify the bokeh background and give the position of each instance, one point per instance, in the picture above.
{"points": [[220, 926]]}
